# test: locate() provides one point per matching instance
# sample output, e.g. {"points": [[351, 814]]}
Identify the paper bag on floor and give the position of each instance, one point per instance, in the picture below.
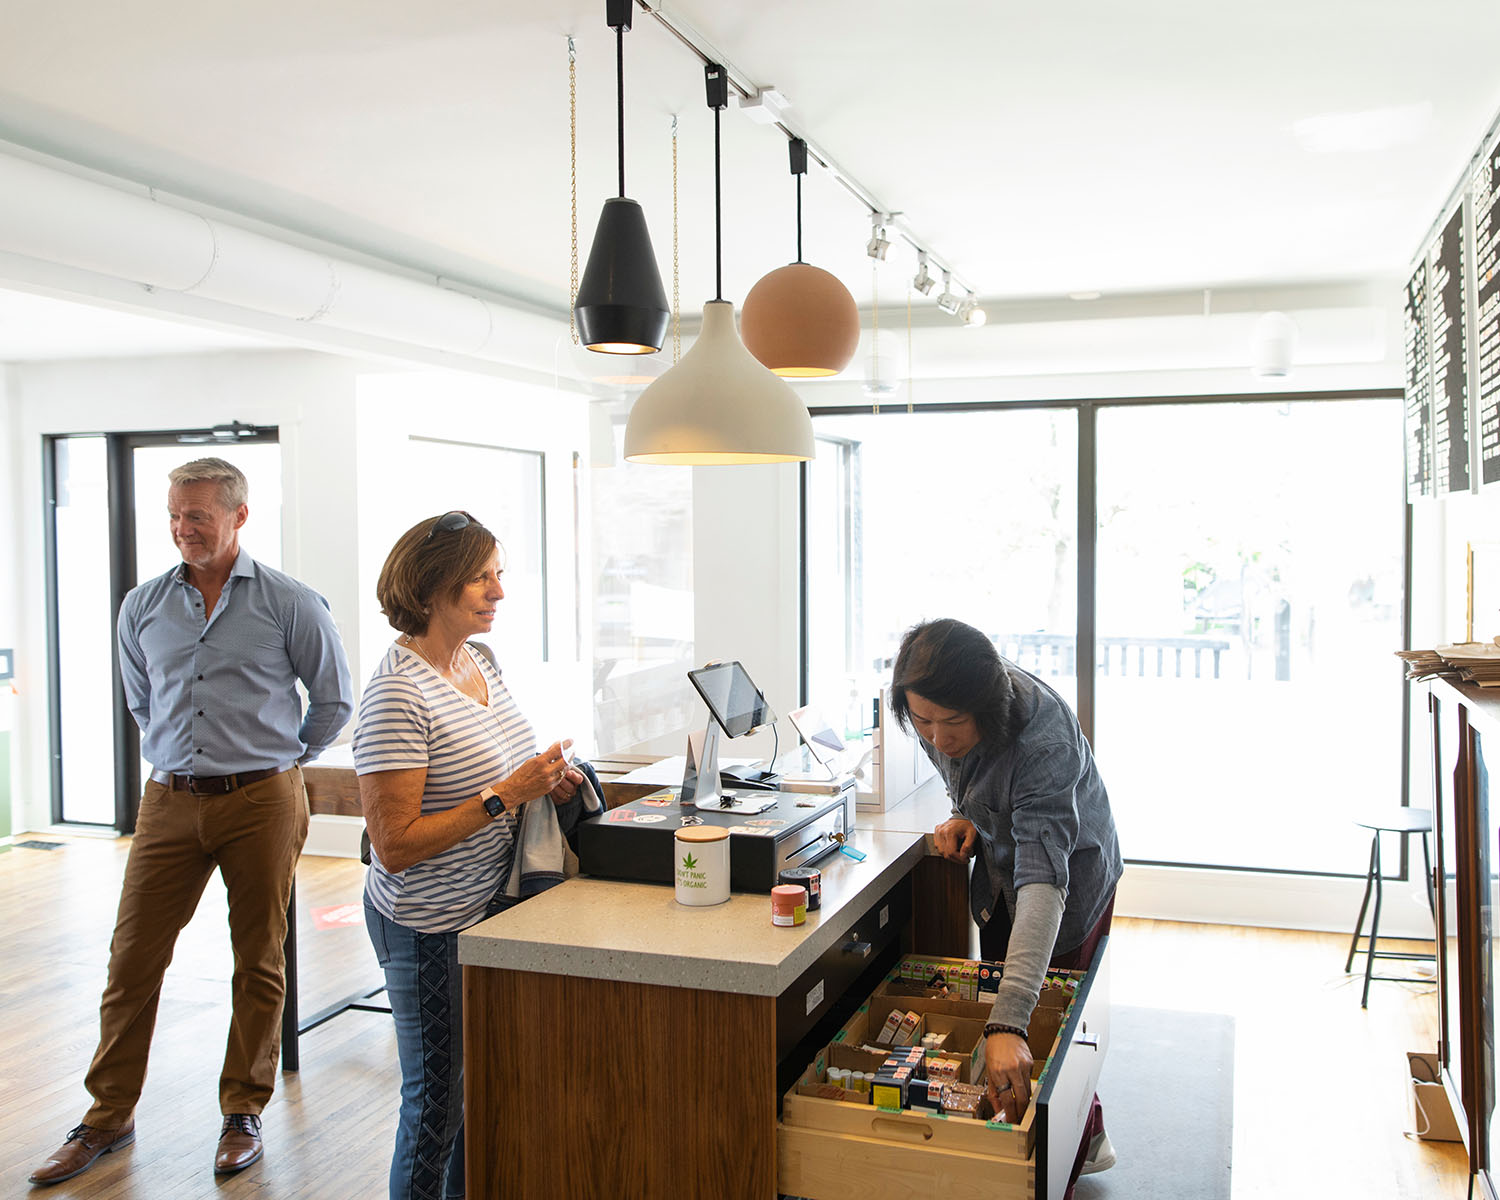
{"points": [[1432, 1112]]}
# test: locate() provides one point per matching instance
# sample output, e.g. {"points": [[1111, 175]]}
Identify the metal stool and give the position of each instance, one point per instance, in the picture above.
{"points": [[1403, 821]]}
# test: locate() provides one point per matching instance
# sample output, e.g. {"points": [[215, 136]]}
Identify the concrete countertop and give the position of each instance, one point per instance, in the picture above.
{"points": [[639, 933], [921, 812]]}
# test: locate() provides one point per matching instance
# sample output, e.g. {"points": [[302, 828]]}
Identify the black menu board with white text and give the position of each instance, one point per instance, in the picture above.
{"points": [[1450, 374], [1418, 382], [1486, 203]]}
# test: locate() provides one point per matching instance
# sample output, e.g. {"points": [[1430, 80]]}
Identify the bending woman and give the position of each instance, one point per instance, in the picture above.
{"points": [[445, 762], [1031, 811]]}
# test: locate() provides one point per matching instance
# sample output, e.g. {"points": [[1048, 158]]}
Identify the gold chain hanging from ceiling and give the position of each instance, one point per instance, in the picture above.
{"points": [[676, 303], [875, 336], [573, 171], [910, 375]]}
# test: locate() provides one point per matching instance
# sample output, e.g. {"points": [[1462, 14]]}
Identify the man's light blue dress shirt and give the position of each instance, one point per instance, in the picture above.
{"points": [[219, 696]]}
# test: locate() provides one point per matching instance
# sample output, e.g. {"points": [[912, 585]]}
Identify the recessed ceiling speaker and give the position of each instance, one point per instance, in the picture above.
{"points": [[1273, 345]]}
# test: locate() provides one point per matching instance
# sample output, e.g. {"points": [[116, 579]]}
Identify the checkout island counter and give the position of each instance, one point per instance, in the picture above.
{"points": [[620, 1044]]}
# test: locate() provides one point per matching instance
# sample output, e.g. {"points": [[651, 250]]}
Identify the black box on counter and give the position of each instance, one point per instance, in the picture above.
{"points": [[634, 842]]}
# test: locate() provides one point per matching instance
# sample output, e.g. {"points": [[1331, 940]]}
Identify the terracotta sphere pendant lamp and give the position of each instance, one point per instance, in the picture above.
{"points": [[799, 320]]}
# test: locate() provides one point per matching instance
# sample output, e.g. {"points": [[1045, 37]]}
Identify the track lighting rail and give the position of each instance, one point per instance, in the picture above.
{"points": [[745, 88]]}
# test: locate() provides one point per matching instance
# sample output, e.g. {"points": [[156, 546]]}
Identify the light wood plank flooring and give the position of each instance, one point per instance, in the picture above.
{"points": [[1321, 1101]]}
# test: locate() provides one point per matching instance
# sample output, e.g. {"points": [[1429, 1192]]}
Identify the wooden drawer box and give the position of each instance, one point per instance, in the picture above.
{"points": [[829, 1150]]}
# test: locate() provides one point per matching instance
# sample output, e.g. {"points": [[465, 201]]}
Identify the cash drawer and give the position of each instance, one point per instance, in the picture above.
{"points": [[827, 1150]]}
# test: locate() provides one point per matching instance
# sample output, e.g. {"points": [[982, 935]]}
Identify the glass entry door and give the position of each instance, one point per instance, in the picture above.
{"points": [[108, 495]]}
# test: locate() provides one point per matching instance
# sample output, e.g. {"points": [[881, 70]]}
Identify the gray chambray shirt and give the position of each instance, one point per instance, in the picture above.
{"points": [[1041, 811]]}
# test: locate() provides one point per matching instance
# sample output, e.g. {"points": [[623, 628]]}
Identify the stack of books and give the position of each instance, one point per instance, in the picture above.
{"points": [[1469, 662], [1477, 662], [1420, 664]]}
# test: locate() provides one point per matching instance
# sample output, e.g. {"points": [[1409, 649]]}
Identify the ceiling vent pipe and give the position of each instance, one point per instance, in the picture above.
{"points": [[57, 217]]}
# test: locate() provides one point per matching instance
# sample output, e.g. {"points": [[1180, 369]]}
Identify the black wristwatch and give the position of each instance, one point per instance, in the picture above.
{"points": [[493, 805]]}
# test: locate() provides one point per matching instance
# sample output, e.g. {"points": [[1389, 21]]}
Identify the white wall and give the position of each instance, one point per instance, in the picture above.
{"points": [[746, 525], [392, 409]]}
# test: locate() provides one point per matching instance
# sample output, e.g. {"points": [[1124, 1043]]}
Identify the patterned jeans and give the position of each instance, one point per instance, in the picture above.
{"points": [[425, 986]]}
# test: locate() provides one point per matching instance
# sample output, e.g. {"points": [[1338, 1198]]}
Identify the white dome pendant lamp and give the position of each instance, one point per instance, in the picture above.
{"points": [[718, 405]]}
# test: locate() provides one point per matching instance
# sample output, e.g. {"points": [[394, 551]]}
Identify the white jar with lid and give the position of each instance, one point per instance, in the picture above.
{"points": [[701, 864]]}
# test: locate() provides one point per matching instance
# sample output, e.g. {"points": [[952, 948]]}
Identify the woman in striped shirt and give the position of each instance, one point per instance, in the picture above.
{"points": [[445, 762]]}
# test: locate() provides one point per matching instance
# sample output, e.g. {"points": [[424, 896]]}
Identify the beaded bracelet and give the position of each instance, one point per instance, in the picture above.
{"points": [[989, 1029]]}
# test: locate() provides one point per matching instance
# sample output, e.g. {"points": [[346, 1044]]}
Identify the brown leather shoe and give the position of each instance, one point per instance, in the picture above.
{"points": [[239, 1143], [77, 1154]]}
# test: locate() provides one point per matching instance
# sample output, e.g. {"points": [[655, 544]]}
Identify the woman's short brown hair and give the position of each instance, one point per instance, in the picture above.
{"points": [[427, 562]]}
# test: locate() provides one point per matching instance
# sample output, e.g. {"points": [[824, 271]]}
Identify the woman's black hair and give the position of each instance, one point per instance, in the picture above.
{"points": [[955, 666]]}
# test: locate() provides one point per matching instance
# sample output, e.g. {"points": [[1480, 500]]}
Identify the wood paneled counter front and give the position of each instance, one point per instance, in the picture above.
{"points": [[620, 1044]]}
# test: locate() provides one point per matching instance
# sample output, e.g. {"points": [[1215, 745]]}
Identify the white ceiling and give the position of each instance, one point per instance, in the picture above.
{"points": [[1120, 147]]}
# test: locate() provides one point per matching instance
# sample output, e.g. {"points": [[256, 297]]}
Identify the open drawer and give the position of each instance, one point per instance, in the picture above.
{"points": [[829, 1150]]}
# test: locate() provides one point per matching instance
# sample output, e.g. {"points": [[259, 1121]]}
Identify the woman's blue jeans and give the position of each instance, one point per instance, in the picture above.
{"points": [[425, 986]]}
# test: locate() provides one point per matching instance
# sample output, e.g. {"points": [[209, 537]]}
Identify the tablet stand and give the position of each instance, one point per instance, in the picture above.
{"points": [[700, 777]]}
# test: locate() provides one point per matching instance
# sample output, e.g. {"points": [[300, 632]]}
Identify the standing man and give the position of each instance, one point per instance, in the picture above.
{"points": [[210, 654]]}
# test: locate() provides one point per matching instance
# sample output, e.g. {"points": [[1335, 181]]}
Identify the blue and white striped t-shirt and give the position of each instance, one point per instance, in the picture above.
{"points": [[410, 717]]}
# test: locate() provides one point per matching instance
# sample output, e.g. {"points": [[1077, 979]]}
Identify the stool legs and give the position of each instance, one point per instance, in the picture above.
{"points": [[1364, 999], [1370, 877], [1374, 884]]}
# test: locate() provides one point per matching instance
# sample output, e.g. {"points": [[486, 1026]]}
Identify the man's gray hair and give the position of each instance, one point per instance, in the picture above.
{"points": [[234, 489]]}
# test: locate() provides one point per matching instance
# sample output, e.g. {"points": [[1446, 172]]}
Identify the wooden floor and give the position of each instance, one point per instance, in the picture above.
{"points": [[1321, 1100]]}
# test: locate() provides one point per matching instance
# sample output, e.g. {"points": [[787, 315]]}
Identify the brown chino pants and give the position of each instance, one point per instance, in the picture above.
{"points": [[254, 836]]}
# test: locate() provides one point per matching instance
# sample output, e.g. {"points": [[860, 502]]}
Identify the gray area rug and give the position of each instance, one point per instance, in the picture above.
{"points": [[1168, 1093]]}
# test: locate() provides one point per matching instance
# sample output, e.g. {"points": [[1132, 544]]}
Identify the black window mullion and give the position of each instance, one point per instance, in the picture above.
{"points": [[54, 655], [120, 462], [1088, 544]]}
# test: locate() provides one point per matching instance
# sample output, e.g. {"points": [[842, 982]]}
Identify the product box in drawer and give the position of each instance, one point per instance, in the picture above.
{"points": [[967, 979], [963, 1037], [815, 1104], [908, 985]]}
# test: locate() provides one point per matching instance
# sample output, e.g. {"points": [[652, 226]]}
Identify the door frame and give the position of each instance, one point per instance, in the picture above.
{"points": [[119, 448]]}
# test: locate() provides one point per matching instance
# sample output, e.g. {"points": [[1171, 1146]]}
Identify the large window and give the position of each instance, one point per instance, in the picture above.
{"points": [[642, 571], [1246, 594], [504, 489], [1248, 704], [913, 516]]}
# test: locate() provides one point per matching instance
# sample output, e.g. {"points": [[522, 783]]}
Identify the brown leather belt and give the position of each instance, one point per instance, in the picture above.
{"points": [[214, 785]]}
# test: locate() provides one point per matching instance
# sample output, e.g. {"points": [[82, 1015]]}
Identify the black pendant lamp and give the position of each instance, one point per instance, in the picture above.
{"points": [[621, 307]]}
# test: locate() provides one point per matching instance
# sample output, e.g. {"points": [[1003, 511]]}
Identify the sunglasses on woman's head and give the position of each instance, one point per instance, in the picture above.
{"points": [[449, 522]]}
